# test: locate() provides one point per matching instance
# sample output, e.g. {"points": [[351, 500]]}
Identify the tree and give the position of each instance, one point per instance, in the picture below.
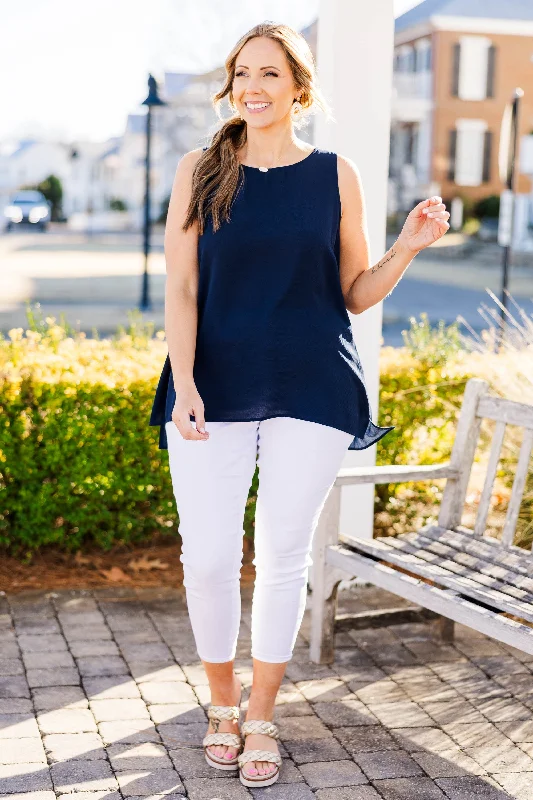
{"points": [[117, 204], [53, 191]]}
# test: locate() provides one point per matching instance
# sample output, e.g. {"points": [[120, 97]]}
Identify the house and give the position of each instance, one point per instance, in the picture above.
{"points": [[27, 162], [456, 65]]}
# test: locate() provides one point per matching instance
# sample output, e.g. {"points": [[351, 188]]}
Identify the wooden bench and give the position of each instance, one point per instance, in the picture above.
{"points": [[451, 573]]}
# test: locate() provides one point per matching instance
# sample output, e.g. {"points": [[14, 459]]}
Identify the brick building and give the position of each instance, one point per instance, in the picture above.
{"points": [[456, 65]]}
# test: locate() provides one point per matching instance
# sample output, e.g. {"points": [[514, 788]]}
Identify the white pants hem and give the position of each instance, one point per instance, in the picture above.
{"points": [[271, 659]]}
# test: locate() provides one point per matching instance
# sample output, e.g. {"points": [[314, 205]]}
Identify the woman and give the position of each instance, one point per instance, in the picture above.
{"points": [[266, 249]]}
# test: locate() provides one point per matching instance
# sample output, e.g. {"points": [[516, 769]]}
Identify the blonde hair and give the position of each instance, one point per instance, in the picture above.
{"points": [[217, 173]]}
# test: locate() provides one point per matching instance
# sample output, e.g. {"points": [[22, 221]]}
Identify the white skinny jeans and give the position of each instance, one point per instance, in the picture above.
{"points": [[298, 462]]}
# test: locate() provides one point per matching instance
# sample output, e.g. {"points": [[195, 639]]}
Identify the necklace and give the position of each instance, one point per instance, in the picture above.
{"points": [[265, 169]]}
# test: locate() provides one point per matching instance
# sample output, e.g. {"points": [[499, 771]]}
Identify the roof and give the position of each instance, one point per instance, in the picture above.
{"points": [[136, 123], [488, 9], [175, 83], [23, 145]]}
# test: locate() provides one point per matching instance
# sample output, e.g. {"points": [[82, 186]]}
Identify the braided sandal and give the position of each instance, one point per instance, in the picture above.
{"points": [[216, 714], [267, 729]]}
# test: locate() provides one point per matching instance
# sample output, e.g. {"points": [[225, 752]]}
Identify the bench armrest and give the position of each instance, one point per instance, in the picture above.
{"points": [[400, 473]]}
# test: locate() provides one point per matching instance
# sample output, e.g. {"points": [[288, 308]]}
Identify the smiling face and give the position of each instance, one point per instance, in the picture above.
{"points": [[263, 85]]}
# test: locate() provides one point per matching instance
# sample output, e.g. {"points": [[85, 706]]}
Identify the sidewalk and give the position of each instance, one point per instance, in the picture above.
{"points": [[102, 695]]}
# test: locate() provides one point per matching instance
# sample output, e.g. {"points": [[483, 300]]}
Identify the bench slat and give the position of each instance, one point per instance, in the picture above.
{"points": [[515, 558], [443, 601], [463, 585], [395, 473], [464, 564], [508, 411], [494, 458], [517, 492]]}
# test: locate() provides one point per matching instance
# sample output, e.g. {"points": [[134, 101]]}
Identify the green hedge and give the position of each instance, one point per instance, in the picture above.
{"points": [[80, 466]]}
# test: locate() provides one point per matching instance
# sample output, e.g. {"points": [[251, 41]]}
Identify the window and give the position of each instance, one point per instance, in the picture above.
{"points": [[473, 68], [423, 55], [470, 151], [404, 60]]}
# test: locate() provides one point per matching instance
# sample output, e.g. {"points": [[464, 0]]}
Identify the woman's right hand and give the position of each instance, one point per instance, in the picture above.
{"points": [[188, 401]]}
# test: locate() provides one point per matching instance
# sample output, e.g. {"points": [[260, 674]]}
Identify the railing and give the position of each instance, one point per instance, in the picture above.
{"points": [[412, 85]]}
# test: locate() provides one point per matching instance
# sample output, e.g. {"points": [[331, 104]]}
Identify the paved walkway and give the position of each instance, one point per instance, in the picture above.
{"points": [[101, 694]]}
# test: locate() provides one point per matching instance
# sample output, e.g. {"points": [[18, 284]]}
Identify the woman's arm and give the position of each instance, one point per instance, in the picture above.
{"points": [[364, 285], [181, 303]]}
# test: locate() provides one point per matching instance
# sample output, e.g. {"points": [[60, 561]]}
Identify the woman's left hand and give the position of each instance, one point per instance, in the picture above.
{"points": [[426, 223]]}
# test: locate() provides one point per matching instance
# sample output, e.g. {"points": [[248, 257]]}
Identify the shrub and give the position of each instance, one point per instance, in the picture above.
{"points": [[488, 206], [80, 466], [78, 463]]}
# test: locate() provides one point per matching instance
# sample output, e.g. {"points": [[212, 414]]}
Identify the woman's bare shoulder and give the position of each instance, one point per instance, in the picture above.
{"points": [[189, 160]]}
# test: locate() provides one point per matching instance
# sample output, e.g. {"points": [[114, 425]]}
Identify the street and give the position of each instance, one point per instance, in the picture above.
{"points": [[95, 280]]}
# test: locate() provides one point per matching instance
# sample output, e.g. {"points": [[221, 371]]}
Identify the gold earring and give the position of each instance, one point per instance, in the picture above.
{"points": [[296, 109]]}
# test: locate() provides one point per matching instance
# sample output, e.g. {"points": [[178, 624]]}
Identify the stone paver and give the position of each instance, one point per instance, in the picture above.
{"points": [[64, 676], [156, 692], [471, 788], [110, 710], [17, 705], [180, 713], [102, 695], [111, 688], [92, 666], [139, 757], [66, 720], [86, 776], [388, 764], [332, 773], [17, 726], [22, 751], [409, 789], [13, 686], [31, 778], [74, 746], [29, 796], [353, 793], [219, 788], [51, 698], [147, 782]]}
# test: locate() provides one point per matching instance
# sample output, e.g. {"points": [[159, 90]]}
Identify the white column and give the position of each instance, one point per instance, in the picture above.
{"points": [[354, 59]]}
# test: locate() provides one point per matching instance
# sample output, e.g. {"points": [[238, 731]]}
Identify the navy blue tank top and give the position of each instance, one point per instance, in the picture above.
{"points": [[274, 336]]}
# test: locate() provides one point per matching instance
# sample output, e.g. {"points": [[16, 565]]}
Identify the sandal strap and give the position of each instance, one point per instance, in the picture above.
{"points": [[258, 755], [229, 739], [260, 726], [220, 713]]}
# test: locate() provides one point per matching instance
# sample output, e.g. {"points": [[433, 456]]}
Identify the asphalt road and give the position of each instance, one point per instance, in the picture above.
{"points": [[96, 280]]}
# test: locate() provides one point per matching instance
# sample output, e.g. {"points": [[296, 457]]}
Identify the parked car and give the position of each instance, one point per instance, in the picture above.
{"points": [[28, 207]]}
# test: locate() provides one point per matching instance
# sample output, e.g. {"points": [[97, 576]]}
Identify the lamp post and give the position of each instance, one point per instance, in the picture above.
{"points": [[152, 100]]}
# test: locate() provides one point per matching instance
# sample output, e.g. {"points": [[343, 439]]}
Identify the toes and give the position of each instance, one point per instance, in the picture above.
{"points": [[259, 768]]}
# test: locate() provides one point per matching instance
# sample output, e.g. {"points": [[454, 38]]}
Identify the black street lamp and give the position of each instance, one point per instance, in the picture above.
{"points": [[153, 99]]}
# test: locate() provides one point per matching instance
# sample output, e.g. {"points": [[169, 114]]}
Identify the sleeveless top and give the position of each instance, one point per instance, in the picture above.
{"points": [[274, 336]]}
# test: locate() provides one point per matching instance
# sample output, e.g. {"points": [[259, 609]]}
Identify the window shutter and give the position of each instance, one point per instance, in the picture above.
{"points": [[491, 63], [456, 63], [451, 164], [487, 152]]}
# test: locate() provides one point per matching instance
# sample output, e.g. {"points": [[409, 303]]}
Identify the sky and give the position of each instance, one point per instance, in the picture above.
{"points": [[72, 70]]}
